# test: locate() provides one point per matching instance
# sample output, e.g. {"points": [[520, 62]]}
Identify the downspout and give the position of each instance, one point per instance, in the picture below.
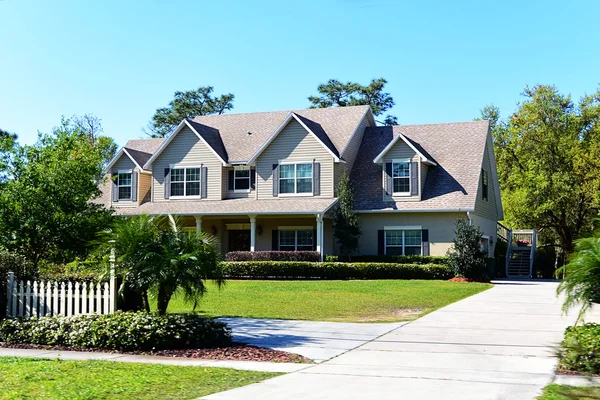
{"points": [[469, 216]]}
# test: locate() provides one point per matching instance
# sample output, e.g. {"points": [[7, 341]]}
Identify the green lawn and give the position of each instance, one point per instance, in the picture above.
{"points": [[27, 378], [358, 301], [561, 392]]}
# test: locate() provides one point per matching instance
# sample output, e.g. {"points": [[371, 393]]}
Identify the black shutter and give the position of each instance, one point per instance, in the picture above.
{"points": [[389, 184], [315, 240], [230, 178], [134, 186], [204, 182], [414, 178], [275, 180], [115, 187], [425, 241], [316, 179], [167, 183], [381, 242], [275, 240], [252, 178]]}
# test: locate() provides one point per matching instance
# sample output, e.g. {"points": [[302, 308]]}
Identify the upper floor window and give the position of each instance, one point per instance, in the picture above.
{"points": [[185, 181], [124, 185], [403, 242], [295, 178], [296, 240], [484, 184], [241, 179], [401, 177]]}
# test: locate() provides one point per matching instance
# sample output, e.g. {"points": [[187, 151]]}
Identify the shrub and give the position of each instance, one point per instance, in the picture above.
{"points": [[334, 270], [580, 349], [314, 256], [13, 262], [397, 259], [123, 331], [465, 257]]}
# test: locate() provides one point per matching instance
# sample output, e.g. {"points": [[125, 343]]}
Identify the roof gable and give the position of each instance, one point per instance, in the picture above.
{"points": [[122, 151], [426, 158]]}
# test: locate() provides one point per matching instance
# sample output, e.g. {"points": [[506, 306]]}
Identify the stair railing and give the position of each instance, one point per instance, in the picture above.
{"points": [[532, 252], [508, 249]]}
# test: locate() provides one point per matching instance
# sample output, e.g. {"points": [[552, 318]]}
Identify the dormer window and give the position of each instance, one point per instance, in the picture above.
{"points": [[241, 180], [401, 177], [124, 185]]}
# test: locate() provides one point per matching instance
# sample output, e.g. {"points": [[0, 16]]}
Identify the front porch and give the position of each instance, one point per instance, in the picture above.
{"points": [[259, 232]]}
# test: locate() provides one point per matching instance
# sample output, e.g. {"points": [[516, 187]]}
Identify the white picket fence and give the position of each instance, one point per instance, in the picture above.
{"points": [[38, 299]]}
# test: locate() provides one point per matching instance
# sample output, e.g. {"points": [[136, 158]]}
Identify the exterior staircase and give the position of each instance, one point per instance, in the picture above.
{"points": [[520, 253]]}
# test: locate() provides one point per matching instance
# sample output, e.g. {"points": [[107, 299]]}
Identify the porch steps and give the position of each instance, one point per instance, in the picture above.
{"points": [[521, 249], [520, 262]]}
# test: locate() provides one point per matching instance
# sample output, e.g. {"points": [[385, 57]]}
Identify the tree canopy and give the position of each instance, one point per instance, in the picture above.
{"points": [[548, 159], [338, 94], [189, 104]]}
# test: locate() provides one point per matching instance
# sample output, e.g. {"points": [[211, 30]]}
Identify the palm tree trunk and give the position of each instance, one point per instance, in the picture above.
{"points": [[165, 292]]}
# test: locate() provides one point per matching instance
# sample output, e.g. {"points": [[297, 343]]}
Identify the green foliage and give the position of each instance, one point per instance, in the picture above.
{"points": [[45, 208], [333, 270], [22, 268], [156, 254], [124, 331], [581, 283], [465, 257], [580, 349], [7, 144], [189, 104], [338, 94], [91, 126], [548, 159], [346, 227], [565, 392], [395, 259]]}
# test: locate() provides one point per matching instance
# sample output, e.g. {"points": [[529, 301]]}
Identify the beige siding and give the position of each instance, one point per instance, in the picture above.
{"points": [[338, 171], [487, 208], [351, 150], [487, 227], [400, 150], [230, 194], [294, 143], [440, 226], [144, 185], [186, 149]]}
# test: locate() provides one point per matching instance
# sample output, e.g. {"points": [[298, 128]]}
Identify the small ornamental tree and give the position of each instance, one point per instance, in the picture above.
{"points": [[346, 227], [465, 257]]}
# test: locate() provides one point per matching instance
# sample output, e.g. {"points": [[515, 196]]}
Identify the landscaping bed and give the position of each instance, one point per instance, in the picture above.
{"points": [[580, 350]]}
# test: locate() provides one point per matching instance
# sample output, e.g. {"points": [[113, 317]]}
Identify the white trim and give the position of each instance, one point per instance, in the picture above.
{"points": [[295, 178], [356, 130], [379, 157], [490, 146], [426, 210], [238, 227], [280, 128], [130, 186], [242, 168], [306, 229], [294, 228], [115, 158], [404, 245], [184, 168], [170, 138], [409, 177], [403, 228]]}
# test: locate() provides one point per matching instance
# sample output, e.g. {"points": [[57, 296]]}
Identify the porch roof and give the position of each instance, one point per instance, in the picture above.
{"points": [[296, 205]]}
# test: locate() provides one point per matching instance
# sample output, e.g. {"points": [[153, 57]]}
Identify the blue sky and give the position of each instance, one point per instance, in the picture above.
{"points": [[444, 61]]}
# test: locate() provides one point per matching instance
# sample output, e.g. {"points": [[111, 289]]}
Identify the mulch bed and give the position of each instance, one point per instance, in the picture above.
{"points": [[466, 280], [563, 371], [237, 351]]}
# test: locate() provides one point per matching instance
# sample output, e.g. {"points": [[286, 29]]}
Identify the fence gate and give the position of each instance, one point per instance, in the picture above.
{"points": [[40, 298]]}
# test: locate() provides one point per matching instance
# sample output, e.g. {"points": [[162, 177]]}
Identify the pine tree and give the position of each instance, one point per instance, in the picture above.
{"points": [[346, 227]]}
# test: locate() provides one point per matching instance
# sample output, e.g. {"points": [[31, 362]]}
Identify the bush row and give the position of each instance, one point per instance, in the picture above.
{"points": [[399, 259], [123, 331], [273, 256], [580, 349], [333, 270]]}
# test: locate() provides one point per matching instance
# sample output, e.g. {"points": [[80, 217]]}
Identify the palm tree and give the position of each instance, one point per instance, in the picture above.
{"points": [[581, 284], [156, 255]]}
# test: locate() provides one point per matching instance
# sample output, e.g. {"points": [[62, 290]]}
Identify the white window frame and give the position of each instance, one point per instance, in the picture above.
{"points": [[295, 178], [489, 247], [402, 161], [295, 229], [185, 181], [403, 229], [130, 172], [235, 178]]}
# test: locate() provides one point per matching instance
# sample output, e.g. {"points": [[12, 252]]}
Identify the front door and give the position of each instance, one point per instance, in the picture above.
{"points": [[239, 240]]}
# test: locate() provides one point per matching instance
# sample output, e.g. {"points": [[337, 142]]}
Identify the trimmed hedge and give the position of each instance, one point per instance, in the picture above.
{"points": [[269, 255], [123, 331], [333, 270], [391, 259], [580, 349]]}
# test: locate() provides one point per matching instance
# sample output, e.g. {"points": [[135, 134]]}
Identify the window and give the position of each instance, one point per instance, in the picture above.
{"points": [[403, 242], [484, 184], [485, 245], [185, 181], [295, 178], [124, 184], [241, 179], [296, 240], [401, 177]]}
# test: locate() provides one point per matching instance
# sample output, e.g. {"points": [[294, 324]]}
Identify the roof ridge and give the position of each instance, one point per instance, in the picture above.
{"points": [[442, 123], [276, 111]]}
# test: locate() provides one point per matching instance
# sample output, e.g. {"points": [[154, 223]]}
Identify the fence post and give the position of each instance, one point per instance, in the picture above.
{"points": [[113, 284], [9, 293]]}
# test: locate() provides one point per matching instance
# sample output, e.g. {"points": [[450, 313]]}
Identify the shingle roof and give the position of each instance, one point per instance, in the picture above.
{"points": [[334, 126], [142, 149], [231, 206], [457, 148]]}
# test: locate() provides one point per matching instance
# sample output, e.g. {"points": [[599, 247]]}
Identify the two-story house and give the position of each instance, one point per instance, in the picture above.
{"points": [[267, 181]]}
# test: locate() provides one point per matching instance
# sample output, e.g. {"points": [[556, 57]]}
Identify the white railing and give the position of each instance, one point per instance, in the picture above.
{"points": [[41, 298], [532, 252]]}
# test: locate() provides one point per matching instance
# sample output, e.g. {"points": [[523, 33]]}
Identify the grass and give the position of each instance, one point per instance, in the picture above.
{"points": [[562, 392], [27, 378], [349, 301]]}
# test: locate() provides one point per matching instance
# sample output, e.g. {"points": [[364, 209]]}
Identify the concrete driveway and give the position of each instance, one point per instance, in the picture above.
{"points": [[498, 344]]}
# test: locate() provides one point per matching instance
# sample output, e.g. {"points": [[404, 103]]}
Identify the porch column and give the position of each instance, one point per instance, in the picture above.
{"points": [[320, 234], [252, 232], [198, 223]]}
